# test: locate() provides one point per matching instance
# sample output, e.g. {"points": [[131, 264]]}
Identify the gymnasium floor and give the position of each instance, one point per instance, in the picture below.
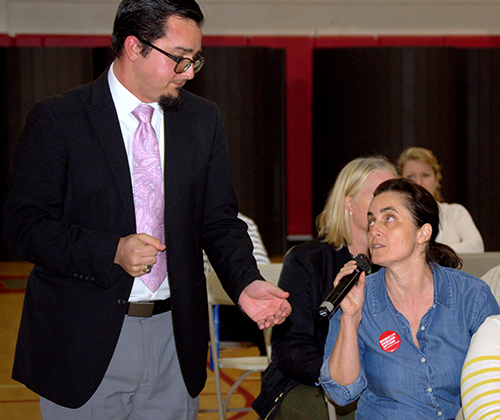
{"points": [[18, 403]]}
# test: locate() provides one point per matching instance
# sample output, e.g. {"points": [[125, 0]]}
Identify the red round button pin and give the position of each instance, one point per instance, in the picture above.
{"points": [[389, 341]]}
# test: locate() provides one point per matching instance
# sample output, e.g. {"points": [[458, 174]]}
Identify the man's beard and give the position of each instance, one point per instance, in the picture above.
{"points": [[170, 103]]}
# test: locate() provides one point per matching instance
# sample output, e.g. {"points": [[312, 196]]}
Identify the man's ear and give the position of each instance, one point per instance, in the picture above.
{"points": [[132, 48]]}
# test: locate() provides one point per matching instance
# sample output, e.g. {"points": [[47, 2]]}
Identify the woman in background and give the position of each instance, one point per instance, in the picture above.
{"points": [[400, 339], [457, 227], [289, 389]]}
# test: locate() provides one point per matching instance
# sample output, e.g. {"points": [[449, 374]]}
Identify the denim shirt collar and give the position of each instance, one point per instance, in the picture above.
{"points": [[380, 297]]}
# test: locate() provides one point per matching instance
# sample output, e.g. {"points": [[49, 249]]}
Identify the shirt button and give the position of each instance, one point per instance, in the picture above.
{"points": [[422, 328], [439, 413], [422, 359], [429, 389], [150, 295]]}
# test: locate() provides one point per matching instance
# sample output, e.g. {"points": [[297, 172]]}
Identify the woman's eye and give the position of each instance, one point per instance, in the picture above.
{"points": [[370, 222], [411, 176], [389, 218]]}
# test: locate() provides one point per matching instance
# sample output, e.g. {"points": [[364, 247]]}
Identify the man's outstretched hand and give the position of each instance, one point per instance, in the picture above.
{"points": [[265, 303]]}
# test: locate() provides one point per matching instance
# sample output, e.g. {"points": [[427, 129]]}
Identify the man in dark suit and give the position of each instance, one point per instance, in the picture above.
{"points": [[96, 340]]}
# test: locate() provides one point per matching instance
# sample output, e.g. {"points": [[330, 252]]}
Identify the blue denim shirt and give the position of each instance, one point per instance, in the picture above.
{"points": [[410, 382]]}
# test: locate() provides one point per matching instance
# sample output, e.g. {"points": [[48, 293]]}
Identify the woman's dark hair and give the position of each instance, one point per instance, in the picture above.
{"points": [[424, 209], [147, 20]]}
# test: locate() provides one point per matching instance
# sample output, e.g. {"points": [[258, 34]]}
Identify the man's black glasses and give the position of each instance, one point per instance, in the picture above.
{"points": [[183, 63]]}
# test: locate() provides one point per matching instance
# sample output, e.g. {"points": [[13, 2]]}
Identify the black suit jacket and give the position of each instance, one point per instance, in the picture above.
{"points": [[70, 202]]}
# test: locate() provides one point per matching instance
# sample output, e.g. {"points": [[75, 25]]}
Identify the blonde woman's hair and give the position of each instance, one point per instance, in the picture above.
{"points": [[423, 156], [333, 222]]}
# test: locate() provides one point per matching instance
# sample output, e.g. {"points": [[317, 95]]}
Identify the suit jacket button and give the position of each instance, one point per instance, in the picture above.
{"points": [[122, 301]]}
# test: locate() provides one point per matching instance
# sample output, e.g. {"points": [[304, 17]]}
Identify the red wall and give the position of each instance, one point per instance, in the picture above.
{"points": [[299, 86]]}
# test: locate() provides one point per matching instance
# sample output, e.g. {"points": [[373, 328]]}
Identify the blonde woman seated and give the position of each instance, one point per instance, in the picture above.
{"points": [[401, 336], [480, 384], [289, 385], [457, 227]]}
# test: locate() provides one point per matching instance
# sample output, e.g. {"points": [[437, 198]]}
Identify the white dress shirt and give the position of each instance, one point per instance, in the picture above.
{"points": [[125, 102]]}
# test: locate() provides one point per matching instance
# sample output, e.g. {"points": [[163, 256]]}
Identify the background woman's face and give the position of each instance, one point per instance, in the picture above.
{"points": [[361, 201], [421, 173]]}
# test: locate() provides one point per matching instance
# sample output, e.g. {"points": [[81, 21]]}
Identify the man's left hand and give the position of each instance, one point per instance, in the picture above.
{"points": [[265, 303]]}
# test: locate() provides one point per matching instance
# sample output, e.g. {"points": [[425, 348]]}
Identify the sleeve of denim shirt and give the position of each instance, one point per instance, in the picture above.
{"points": [[341, 395]]}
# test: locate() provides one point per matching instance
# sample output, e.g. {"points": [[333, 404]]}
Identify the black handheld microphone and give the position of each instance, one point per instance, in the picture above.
{"points": [[337, 295]]}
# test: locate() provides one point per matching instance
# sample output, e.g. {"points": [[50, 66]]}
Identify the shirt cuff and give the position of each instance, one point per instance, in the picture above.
{"points": [[341, 395]]}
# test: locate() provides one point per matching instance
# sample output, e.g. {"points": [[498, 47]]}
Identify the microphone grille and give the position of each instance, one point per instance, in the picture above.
{"points": [[363, 262]]}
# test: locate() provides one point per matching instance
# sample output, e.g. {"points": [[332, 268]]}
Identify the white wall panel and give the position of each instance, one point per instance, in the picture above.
{"points": [[60, 17], [271, 17], [352, 18], [3, 16]]}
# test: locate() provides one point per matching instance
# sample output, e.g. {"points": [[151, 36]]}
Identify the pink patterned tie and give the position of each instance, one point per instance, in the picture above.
{"points": [[148, 191]]}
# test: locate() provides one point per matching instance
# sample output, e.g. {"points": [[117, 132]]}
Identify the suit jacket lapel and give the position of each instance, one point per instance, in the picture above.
{"points": [[104, 119], [177, 154]]}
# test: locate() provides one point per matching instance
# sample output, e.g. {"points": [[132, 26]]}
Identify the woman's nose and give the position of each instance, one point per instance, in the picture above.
{"points": [[374, 229], [418, 180]]}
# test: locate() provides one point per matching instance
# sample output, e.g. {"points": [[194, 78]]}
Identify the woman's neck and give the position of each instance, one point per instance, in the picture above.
{"points": [[411, 291], [359, 242], [409, 279], [356, 249]]}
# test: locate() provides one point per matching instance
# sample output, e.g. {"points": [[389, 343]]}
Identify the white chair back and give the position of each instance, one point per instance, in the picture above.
{"points": [[492, 277], [249, 365], [479, 264]]}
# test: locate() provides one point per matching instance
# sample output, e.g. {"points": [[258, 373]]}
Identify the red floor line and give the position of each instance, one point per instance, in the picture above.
{"points": [[249, 398], [18, 401], [4, 290]]}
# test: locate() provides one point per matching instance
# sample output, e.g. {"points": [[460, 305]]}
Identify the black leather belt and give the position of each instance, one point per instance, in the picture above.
{"points": [[148, 309]]}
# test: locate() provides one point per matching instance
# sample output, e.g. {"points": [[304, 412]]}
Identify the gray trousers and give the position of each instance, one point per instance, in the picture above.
{"points": [[143, 380]]}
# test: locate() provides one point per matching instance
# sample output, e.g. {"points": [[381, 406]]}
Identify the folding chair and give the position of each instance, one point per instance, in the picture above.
{"points": [[249, 365]]}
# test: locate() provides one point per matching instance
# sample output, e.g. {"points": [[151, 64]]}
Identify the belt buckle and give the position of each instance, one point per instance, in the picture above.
{"points": [[141, 309]]}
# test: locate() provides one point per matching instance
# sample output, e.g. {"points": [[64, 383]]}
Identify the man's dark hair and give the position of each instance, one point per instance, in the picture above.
{"points": [[147, 19]]}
